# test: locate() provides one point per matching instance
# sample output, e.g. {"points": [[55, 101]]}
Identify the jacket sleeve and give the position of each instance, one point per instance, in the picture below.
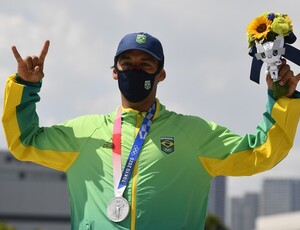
{"points": [[229, 154], [53, 147]]}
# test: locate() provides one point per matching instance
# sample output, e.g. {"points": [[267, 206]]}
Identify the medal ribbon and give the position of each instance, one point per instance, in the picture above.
{"points": [[121, 181]]}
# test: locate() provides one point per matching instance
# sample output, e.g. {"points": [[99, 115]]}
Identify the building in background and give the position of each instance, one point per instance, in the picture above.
{"points": [[244, 212], [278, 196], [217, 197], [236, 214], [32, 196]]}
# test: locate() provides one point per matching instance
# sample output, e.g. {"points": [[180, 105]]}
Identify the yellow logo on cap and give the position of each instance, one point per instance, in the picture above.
{"points": [[141, 38]]}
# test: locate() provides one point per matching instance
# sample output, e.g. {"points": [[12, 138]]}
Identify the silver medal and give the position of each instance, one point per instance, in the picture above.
{"points": [[118, 209]]}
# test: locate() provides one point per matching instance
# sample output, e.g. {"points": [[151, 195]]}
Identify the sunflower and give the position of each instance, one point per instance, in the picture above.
{"points": [[259, 28]]}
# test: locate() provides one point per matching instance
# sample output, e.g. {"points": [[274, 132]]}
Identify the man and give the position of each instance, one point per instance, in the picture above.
{"points": [[142, 166]]}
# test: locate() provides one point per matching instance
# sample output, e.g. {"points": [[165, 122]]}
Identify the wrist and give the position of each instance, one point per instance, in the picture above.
{"points": [[21, 81]]}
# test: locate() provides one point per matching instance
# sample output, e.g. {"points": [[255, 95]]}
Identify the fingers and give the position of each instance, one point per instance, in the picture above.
{"points": [[44, 52], [41, 58], [293, 82], [283, 61], [32, 62], [29, 63], [298, 76], [31, 68], [285, 74], [35, 60], [16, 54], [287, 77]]}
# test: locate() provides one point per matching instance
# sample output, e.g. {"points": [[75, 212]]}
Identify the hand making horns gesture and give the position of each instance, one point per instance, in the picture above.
{"points": [[30, 69]]}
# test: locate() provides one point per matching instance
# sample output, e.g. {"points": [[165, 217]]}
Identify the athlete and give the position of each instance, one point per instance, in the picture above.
{"points": [[142, 166]]}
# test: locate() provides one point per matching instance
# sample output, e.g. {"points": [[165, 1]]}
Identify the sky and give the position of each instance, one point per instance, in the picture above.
{"points": [[206, 60]]}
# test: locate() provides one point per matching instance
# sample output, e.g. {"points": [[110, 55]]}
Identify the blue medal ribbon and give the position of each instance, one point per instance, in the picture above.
{"points": [[136, 148]]}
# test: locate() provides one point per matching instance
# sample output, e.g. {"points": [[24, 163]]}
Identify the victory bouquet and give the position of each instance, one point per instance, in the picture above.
{"points": [[268, 36]]}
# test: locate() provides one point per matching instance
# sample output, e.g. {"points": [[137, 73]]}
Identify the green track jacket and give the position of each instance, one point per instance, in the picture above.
{"points": [[171, 179]]}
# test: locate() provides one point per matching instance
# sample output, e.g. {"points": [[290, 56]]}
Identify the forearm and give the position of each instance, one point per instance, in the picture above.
{"points": [[26, 140], [16, 100]]}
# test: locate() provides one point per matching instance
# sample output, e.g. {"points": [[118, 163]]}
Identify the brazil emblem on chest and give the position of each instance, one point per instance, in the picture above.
{"points": [[167, 144]]}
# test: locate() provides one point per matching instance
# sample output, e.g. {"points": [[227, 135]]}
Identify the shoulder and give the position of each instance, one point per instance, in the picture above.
{"points": [[184, 120], [88, 122]]}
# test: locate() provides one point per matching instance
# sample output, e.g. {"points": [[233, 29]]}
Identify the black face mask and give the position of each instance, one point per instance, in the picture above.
{"points": [[135, 84]]}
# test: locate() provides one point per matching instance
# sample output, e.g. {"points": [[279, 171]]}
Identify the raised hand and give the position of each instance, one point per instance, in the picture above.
{"points": [[287, 77], [31, 68]]}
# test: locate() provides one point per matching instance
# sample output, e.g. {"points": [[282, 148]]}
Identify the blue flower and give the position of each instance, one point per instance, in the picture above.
{"points": [[271, 16]]}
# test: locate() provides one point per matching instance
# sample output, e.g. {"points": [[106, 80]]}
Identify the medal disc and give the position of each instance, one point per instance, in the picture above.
{"points": [[118, 209]]}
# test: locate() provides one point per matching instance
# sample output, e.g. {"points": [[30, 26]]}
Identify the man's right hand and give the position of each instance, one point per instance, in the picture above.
{"points": [[30, 69]]}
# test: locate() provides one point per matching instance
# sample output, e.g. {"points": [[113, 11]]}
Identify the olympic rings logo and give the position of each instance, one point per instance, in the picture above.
{"points": [[135, 149]]}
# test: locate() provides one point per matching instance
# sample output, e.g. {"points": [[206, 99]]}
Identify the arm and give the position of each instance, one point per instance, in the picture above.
{"points": [[254, 153], [53, 147]]}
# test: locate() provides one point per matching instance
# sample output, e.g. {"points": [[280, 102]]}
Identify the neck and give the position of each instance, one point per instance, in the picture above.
{"points": [[142, 106]]}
